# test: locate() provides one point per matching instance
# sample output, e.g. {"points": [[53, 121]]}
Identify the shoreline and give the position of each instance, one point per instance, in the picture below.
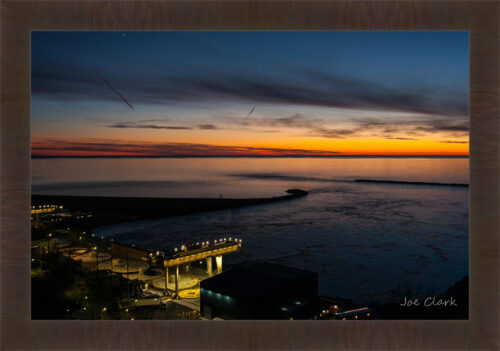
{"points": [[108, 210]]}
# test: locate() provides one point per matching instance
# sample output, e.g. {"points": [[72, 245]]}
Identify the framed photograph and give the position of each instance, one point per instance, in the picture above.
{"points": [[260, 174], [158, 155]]}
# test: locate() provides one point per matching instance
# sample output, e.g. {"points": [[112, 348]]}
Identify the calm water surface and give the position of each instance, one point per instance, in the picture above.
{"points": [[366, 241]]}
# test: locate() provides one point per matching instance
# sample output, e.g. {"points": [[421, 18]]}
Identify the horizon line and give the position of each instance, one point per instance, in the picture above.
{"points": [[248, 156]]}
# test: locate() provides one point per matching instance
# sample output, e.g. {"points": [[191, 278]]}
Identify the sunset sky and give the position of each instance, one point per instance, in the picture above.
{"points": [[249, 93]]}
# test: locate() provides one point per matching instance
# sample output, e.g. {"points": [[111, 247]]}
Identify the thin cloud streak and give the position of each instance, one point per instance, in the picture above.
{"points": [[114, 90], [408, 139], [146, 126], [251, 111], [207, 127], [55, 147]]}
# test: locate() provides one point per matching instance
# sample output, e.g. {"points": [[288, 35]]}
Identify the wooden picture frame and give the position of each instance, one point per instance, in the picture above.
{"points": [[20, 17]]}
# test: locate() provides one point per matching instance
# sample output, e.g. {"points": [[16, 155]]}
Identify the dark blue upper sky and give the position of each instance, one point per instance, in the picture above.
{"points": [[433, 58]]}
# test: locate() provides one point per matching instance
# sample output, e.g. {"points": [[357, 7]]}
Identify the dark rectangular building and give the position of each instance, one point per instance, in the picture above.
{"points": [[126, 251], [260, 291]]}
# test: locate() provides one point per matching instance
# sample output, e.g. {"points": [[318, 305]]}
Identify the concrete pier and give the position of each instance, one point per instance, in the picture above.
{"points": [[166, 278], [177, 277], [218, 260], [209, 266]]}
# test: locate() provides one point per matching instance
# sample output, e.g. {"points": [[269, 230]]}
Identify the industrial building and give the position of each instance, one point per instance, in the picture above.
{"points": [[260, 291]]}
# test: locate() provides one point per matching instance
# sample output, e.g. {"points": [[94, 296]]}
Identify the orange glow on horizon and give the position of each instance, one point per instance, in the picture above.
{"points": [[300, 147]]}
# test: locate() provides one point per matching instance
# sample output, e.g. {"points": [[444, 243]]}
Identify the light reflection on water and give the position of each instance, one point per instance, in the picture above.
{"points": [[366, 241]]}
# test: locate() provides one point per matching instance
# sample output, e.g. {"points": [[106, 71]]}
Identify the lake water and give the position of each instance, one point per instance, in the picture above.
{"points": [[366, 241]]}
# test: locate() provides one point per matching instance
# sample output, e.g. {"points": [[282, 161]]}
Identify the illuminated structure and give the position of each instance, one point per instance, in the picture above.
{"points": [[260, 291], [37, 210], [359, 313], [199, 252]]}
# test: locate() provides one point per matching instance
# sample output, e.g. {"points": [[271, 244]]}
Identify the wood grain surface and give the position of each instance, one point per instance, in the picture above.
{"points": [[20, 17]]}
